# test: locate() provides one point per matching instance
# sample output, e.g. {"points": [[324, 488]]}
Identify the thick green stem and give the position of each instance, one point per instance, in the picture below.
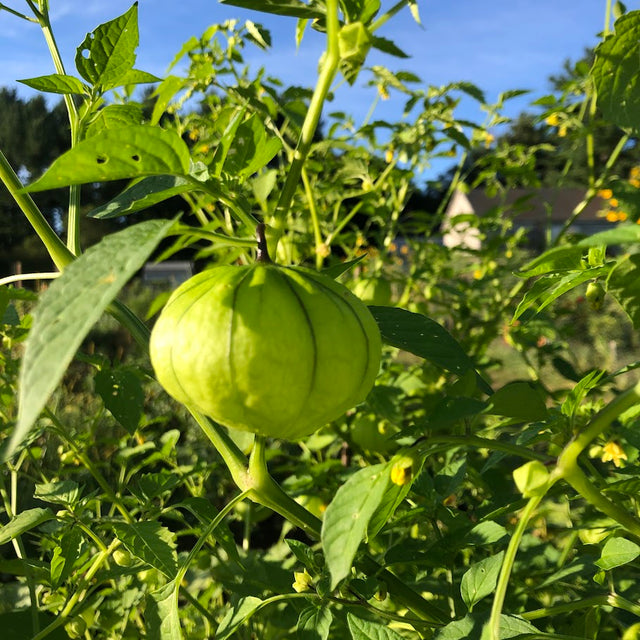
{"points": [[59, 253], [310, 124]]}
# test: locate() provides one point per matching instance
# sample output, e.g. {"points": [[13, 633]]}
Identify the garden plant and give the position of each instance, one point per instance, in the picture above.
{"points": [[339, 428]]}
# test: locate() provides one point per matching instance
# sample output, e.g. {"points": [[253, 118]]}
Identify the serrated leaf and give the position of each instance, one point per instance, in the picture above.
{"points": [[122, 394], [115, 154], [237, 616], [161, 614], [480, 580], [152, 543], [314, 623], [69, 308], [23, 522], [347, 517], [56, 83], [65, 492], [366, 630], [615, 72], [108, 53], [617, 552]]}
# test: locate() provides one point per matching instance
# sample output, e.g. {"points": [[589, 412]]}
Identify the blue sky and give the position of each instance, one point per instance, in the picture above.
{"points": [[497, 45]]}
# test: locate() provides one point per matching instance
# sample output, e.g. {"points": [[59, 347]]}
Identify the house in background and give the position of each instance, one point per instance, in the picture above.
{"points": [[535, 210]]}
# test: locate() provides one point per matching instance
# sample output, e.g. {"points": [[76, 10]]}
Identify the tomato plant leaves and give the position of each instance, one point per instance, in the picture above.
{"points": [[114, 154], [347, 517], [69, 308]]}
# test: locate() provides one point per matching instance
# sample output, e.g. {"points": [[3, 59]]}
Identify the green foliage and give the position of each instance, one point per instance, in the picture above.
{"points": [[486, 488]]}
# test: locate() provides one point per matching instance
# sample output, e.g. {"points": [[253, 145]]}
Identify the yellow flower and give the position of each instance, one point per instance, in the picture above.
{"points": [[488, 139], [323, 250], [634, 182], [384, 93], [605, 194], [613, 202], [404, 250], [303, 581], [622, 216], [402, 471], [562, 131], [552, 120], [612, 216], [392, 247], [388, 156], [635, 172], [477, 274], [613, 452]]}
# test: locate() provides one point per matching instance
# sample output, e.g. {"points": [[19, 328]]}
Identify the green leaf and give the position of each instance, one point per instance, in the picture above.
{"points": [[115, 116], [347, 517], [554, 261], [532, 478], [115, 154], [142, 195], [108, 53], [366, 630], [237, 616], [56, 83], [615, 73], [65, 556], [518, 400], [480, 580], [152, 543], [65, 492], [293, 8], [624, 285], [580, 391], [161, 614], [122, 394], [488, 532], [136, 76], [69, 308], [314, 623], [616, 552], [388, 46], [251, 149], [23, 522], [471, 627], [421, 336]]}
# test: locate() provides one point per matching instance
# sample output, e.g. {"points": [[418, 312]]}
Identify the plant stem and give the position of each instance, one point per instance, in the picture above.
{"points": [[310, 124], [507, 566], [59, 253]]}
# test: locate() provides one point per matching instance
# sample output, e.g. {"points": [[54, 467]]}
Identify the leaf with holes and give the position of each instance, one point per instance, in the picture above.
{"points": [[108, 53], [115, 154]]}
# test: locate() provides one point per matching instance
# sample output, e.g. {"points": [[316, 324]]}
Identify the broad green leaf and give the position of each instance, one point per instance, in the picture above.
{"points": [[471, 627], [518, 400], [531, 478], [554, 261], [237, 616], [161, 614], [251, 149], [366, 630], [314, 623], [142, 195], [624, 285], [487, 532], [136, 76], [421, 336], [65, 555], [347, 517], [69, 308], [109, 52], [152, 543], [23, 522], [615, 73], [616, 552], [115, 116], [293, 8], [114, 154], [122, 394], [480, 580], [65, 492], [453, 409], [56, 83]]}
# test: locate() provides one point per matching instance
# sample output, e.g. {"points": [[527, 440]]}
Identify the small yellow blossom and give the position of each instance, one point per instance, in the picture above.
{"points": [[613, 202], [477, 274], [388, 156], [303, 581], [323, 250], [402, 471], [383, 91], [404, 250], [635, 172], [613, 452], [392, 247], [552, 120], [612, 216], [634, 182], [622, 216], [562, 131], [605, 194], [488, 139], [193, 135]]}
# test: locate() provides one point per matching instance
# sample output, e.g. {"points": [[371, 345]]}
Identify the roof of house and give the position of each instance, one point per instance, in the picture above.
{"points": [[530, 205]]}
